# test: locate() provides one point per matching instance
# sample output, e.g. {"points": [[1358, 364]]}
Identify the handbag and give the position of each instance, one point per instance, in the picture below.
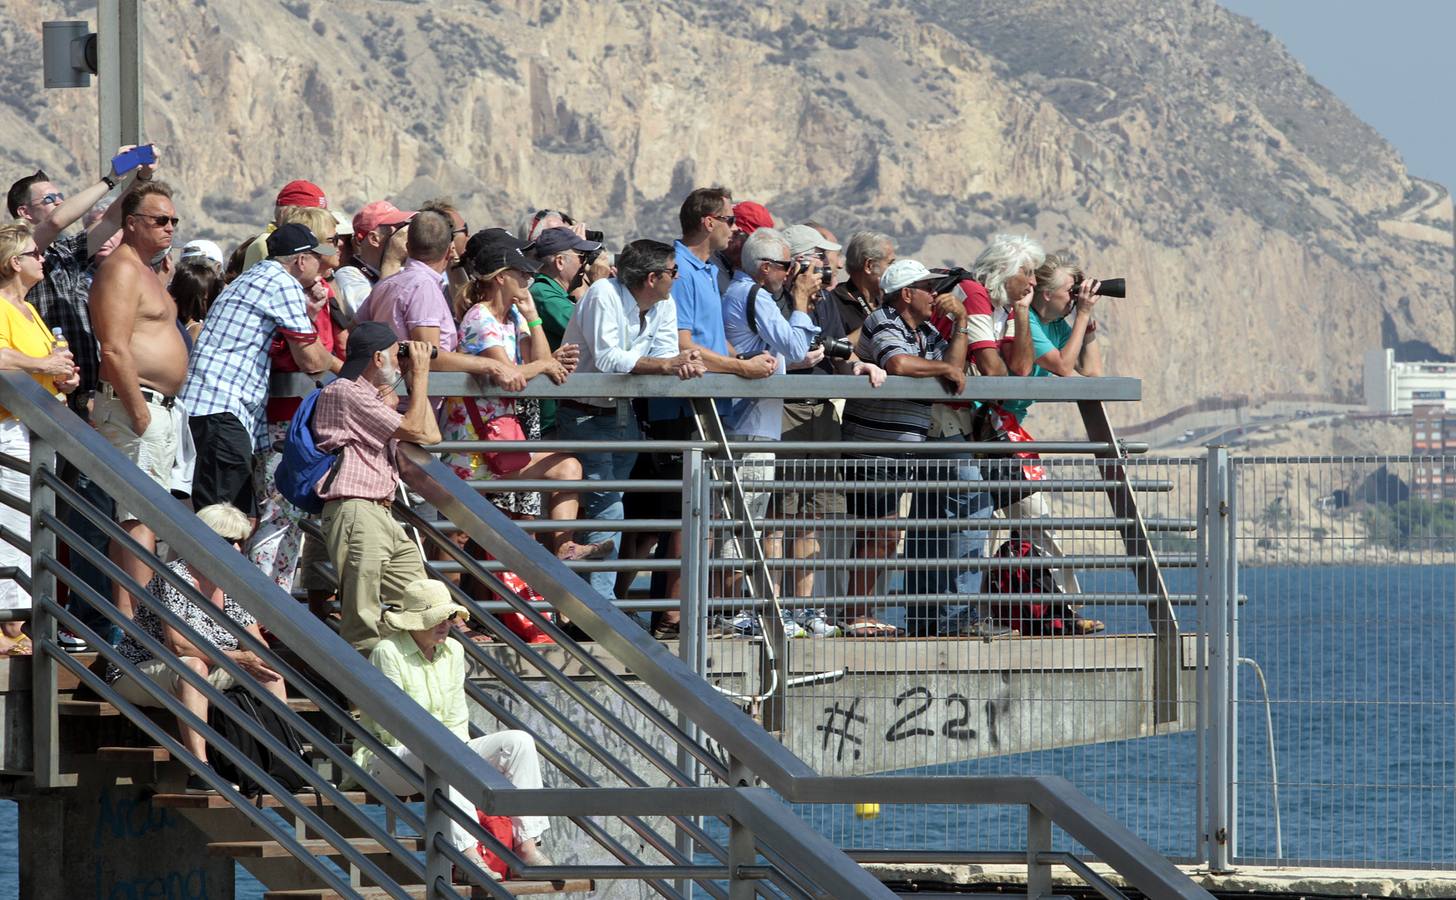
{"points": [[502, 428], [993, 424]]}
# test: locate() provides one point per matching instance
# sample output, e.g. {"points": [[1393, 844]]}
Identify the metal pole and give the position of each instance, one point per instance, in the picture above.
{"points": [[692, 621], [1038, 841], [1214, 516], [118, 76], [741, 852], [45, 733], [1230, 602], [437, 827]]}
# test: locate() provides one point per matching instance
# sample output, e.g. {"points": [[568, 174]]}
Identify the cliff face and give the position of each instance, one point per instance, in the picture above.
{"points": [[1269, 237]]}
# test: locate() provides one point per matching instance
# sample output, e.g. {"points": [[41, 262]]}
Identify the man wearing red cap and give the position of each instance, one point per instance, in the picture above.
{"points": [[748, 217], [295, 193], [379, 251]]}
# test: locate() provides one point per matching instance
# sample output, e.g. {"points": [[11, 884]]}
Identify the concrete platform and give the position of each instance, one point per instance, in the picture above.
{"points": [[1248, 881]]}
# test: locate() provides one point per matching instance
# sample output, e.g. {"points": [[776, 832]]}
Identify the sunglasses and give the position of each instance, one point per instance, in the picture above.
{"points": [[670, 272], [52, 199], [727, 220], [784, 264], [462, 230], [34, 253], [337, 240], [159, 221]]}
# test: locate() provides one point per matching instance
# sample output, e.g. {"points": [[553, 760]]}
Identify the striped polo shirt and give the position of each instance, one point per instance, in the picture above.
{"points": [[884, 336]]}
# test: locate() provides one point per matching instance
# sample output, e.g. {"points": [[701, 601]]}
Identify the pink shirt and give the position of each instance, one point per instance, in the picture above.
{"points": [[350, 415], [411, 298]]}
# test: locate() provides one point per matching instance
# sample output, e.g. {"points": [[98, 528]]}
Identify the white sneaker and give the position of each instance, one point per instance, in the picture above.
{"points": [[745, 624], [815, 623], [792, 629]]}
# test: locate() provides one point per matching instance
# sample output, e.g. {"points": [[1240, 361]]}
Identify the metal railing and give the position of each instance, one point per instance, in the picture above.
{"points": [[799, 863]]}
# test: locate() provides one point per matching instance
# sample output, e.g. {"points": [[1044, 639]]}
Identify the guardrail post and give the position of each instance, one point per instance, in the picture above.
{"points": [[692, 619], [741, 851], [45, 727], [1215, 518], [437, 827], [1038, 841]]}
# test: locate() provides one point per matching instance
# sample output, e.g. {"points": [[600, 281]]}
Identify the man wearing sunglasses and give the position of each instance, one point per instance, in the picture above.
{"points": [[143, 357]]}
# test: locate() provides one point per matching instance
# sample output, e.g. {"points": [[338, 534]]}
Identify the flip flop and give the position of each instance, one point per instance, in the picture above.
{"points": [[20, 647]]}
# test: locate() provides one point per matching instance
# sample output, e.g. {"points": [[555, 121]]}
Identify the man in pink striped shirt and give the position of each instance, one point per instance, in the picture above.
{"points": [[358, 415]]}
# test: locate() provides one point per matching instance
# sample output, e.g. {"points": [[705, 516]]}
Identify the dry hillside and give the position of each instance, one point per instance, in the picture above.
{"points": [[1270, 237]]}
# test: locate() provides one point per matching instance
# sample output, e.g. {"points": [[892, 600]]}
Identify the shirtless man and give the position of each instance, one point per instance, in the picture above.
{"points": [[143, 358]]}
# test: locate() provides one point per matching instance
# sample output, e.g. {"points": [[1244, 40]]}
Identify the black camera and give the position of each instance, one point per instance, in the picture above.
{"points": [[404, 351], [1112, 287], [834, 348]]}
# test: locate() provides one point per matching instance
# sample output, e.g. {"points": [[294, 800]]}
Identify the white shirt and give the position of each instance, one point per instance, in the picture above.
{"points": [[613, 333]]}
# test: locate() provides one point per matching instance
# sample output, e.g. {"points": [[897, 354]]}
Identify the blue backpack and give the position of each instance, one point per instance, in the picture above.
{"points": [[303, 464]]}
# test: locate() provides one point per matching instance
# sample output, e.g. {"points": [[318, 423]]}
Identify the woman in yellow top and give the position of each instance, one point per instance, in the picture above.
{"points": [[28, 346]]}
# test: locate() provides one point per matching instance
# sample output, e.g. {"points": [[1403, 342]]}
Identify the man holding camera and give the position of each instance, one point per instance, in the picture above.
{"points": [[357, 415]]}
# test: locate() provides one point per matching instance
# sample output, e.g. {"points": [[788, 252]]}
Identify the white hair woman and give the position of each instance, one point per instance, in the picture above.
{"points": [[420, 657], [28, 346], [231, 524], [998, 304]]}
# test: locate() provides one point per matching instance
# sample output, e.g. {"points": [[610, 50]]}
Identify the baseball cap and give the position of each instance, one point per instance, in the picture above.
{"points": [[804, 239], [202, 251], [903, 273], [378, 214], [292, 238], [302, 193], [558, 240], [748, 217], [501, 251], [365, 340]]}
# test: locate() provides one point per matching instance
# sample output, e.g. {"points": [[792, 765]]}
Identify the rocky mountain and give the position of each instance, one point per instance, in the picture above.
{"points": [[1269, 236]]}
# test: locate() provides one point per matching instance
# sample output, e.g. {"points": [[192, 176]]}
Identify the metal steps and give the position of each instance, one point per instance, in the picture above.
{"points": [[517, 888]]}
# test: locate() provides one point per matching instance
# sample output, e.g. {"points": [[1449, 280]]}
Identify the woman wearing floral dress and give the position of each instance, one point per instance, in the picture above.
{"points": [[499, 320]]}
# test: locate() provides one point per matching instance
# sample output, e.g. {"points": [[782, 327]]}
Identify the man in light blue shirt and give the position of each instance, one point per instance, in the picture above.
{"points": [[767, 266], [623, 325]]}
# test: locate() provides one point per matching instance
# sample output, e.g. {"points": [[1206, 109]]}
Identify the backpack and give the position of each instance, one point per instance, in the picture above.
{"points": [[302, 464], [1027, 617], [245, 704]]}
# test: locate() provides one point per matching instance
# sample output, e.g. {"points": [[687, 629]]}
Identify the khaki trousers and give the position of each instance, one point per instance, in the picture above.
{"points": [[375, 560]]}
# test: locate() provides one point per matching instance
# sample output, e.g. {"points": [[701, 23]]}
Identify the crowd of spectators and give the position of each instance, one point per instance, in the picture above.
{"points": [[169, 357]]}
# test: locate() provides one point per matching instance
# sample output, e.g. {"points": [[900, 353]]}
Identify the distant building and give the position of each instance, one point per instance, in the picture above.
{"points": [[1433, 443], [1393, 388]]}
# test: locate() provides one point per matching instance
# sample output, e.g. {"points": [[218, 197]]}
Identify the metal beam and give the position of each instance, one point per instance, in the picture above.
{"points": [[845, 387], [118, 76]]}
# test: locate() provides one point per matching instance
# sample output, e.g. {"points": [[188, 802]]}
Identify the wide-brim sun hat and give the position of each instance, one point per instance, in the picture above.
{"points": [[424, 605]]}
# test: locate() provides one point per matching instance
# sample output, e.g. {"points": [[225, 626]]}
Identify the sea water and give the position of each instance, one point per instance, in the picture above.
{"points": [[1361, 669]]}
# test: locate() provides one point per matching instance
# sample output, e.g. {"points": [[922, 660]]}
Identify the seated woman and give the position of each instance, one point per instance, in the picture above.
{"points": [[498, 320], [419, 658], [232, 525], [26, 345]]}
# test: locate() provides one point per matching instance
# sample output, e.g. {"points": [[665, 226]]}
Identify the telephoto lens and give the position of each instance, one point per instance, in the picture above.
{"points": [[1113, 287]]}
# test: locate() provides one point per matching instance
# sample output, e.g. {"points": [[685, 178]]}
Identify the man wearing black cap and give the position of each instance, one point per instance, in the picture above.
{"points": [[227, 385], [373, 556], [561, 253]]}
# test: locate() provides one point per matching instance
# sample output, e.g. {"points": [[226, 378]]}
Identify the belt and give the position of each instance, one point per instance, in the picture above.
{"points": [[148, 395], [588, 408], [812, 401]]}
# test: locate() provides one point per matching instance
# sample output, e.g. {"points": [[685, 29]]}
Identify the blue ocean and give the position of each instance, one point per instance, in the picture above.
{"points": [[1360, 663]]}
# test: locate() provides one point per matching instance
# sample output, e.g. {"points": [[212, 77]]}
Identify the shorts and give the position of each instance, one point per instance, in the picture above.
{"points": [[166, 676], [810, 422], [861, 473], [154, 451], [224, 463]]}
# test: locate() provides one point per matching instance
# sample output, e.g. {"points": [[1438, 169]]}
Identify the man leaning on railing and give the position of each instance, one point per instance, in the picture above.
{"points": [[357, 415], [624, 325], [899, 337]]}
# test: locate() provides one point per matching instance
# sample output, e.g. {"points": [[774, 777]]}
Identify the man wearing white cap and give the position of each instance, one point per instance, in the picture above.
{"points": [[898, 337]]}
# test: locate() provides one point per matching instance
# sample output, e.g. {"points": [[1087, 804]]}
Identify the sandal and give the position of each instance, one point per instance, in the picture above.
{"points": [[872, 628], [21, 646], [1087, 626]]}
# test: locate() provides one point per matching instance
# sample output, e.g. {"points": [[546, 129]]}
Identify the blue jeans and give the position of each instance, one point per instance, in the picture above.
{"points": [[575, 425], [967, 506]]}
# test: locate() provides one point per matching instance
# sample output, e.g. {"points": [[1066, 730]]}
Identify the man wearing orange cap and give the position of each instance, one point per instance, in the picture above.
{"points": [[748, 217], [379, 251]]}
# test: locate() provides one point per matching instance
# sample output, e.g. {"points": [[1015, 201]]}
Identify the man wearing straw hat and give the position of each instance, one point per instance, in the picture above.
{"points": [[418, 656]]}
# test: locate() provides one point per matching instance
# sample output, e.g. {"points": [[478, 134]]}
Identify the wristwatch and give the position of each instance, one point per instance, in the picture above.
{"points": [[965, 330], [110, 182]]}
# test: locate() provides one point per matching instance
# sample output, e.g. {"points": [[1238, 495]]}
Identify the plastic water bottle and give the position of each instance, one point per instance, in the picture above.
{"points": [[60, 336]]}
